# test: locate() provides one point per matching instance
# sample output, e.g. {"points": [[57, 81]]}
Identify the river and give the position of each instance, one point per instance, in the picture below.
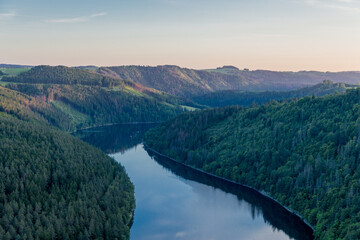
{"points": [[176, 202]]}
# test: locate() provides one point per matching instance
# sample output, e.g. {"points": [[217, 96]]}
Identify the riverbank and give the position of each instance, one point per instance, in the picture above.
{"points": [[113, 124], [262, 193]]}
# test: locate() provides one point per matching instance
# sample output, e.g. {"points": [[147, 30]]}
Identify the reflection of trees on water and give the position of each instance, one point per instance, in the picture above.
{"points": [[273, 213], [115, 138]]}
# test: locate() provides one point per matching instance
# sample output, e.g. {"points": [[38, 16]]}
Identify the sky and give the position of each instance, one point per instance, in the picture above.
{"points": [[284, 35]]}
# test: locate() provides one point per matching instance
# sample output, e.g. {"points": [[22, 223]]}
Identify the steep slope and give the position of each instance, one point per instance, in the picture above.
{"points": [[54, 186], [189, 83], [304, 153], [235, 97], [90, 100], [175, 80]]}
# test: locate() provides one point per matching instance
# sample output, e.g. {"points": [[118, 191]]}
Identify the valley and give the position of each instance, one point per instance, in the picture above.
{"points": [[298, 146]]}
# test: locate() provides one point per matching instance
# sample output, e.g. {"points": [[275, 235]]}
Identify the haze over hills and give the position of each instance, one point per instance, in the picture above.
{"points": [[189, 82]]}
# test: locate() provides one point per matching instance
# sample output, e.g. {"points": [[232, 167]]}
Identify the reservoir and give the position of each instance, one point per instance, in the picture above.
{"points": [[177, 202]]}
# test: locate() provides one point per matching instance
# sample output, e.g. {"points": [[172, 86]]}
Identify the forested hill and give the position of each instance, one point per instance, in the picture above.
{"points": [[71, 98], [189, 82], [63, 75], [175, 80], [305, 153], [54, 186], [236, 97]]}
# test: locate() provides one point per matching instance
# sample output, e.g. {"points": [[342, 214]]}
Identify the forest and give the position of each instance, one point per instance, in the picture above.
{"points": [[304, 153], [55, 186], [237, 97]]}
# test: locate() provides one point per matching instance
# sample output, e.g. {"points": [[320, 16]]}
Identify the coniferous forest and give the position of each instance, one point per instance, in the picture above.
{"points": [[54, 186]]}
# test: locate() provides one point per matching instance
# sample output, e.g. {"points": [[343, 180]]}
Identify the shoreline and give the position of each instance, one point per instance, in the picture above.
{"points": [[112, 124], [262, 193]]}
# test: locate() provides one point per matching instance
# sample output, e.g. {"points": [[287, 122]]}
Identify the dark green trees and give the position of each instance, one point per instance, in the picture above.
{"points": [[54, 186]]}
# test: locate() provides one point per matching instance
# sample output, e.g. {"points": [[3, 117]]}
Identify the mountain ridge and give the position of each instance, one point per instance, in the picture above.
{"points": [[185, 82]]}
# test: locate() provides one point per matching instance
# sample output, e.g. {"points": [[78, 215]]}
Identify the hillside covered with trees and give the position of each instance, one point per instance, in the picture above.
{"points": [[304, 153], [186, 82], [84, 101], [236, 97], [63, 75], [54, 186]]}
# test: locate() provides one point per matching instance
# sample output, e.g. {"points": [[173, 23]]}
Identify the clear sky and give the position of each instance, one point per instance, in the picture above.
{"points": [[255, 34]]}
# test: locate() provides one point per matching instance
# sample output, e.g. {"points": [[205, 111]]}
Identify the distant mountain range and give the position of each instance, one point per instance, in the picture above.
{"points": [[189, 82], [14, 66]]}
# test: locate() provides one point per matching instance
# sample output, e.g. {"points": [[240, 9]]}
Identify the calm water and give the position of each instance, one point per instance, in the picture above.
{"points": [[175, 202]]}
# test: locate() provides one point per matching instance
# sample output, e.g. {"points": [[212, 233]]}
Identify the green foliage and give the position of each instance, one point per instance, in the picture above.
{"points": [[305, 153], [54, 186], [234, 97]]}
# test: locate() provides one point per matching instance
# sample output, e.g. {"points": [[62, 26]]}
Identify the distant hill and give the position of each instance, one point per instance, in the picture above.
{"points": [[72, 98], [189, 82], [63, 75], [177, 81], [14, 66], [236, 97]]}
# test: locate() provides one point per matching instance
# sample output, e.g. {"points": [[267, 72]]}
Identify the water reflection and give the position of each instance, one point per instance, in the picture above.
{"points": [[115, 138], [272, 212], [176, 202]]}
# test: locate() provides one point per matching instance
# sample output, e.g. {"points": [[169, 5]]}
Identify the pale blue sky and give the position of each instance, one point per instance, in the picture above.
{"points": [[255, 34]]}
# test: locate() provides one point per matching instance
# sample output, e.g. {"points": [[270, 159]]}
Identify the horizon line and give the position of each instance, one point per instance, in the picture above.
{"points": [[160, 65]]}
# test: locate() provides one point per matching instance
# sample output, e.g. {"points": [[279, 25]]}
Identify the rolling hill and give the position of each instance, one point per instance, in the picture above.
{"points": [[189, 82], [72, 98]]}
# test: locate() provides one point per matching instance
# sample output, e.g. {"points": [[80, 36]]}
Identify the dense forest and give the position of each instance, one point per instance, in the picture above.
{"points": [[189, 82], [54, 186], [236, 97], [305, 153]]}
